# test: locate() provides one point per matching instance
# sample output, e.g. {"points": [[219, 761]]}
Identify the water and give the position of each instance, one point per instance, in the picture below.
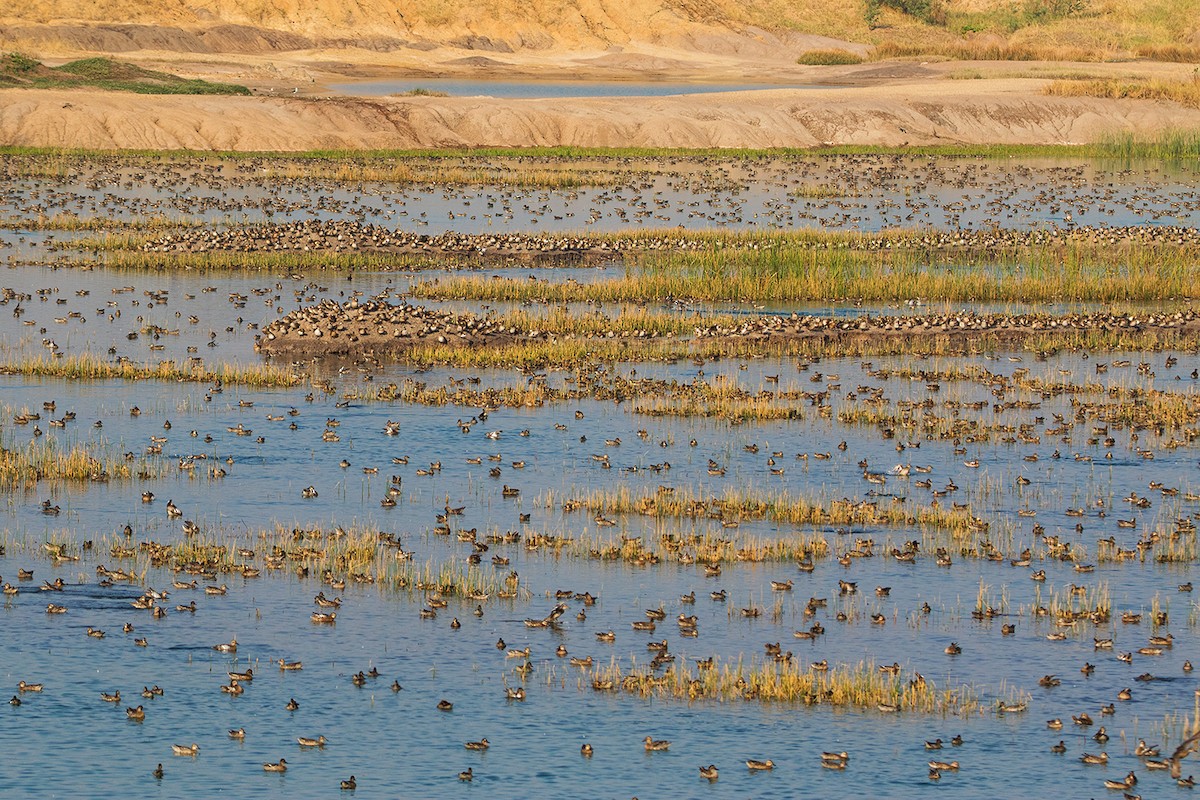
{"points": [[548, 89], [66, 741], [858, 193]]}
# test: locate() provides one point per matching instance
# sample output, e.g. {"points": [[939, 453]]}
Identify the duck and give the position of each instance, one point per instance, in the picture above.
{"points": [[305, 741], [185, 750], [137, 714], [29, 687], [709, 773], [349, 785], [244, 677], [278, 766], [227, 647], [482, 744], [239, 734], [1125, 784], [753, 764], [467, 774], [944, 766], [115, 697], [445, 705], [292, 705], [656, 744], [585, 750], [1061, 747]]}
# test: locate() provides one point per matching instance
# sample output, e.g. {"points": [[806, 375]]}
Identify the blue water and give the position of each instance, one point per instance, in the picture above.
{"points": [[67, 742]]}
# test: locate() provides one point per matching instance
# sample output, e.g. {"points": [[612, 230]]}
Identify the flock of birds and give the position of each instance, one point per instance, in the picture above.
{"points": [[144, 319], [853, 192]]}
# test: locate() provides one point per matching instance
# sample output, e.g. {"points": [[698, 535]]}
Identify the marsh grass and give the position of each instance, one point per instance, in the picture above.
{"points": [[861, 686], [706, 548], [808, 268], [42, 460], [569, 353], [66, 221], [779, 507], [86, 366]]}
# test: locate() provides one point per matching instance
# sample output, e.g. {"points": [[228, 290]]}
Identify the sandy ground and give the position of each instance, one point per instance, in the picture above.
{"points": [[912, 112], [869, 104]]}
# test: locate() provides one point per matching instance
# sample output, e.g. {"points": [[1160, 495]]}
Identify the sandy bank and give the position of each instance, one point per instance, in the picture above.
{"points": [[917, 113]]}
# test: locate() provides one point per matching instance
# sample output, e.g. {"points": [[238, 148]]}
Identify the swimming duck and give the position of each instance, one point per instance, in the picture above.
{"points": [[1061, 747], [307, 742], [185, 750], [29, 687], [15, 701], [467, 774], [445, 705], [656, 744], [115, 697], [226, 647], [753, 764], [279, 766], [245, 677], [349, 785], [936, 744], [943, 766], [137, 714], [1129, 781], [514, 694], [292, 705], [238, 734], [585, 750], [709, 772], [482, 744]]}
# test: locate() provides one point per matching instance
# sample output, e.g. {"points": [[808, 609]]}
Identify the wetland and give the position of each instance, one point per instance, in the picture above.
{"points": [[678, 475]]}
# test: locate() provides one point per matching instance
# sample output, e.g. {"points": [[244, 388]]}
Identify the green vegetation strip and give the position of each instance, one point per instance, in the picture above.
{"points": [[18, 71], [90, 367]]}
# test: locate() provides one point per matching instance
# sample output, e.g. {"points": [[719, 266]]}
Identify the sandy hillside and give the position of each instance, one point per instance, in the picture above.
{"points": [[282, 48]]}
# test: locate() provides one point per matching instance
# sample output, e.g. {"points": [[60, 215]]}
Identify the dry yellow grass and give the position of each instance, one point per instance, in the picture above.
{"points": [[1185, 92], [1131, 27]]}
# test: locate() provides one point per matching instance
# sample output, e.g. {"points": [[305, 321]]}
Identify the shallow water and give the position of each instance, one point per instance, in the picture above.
{"points": [[66, 741], [856, 193], [431, 661]]}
